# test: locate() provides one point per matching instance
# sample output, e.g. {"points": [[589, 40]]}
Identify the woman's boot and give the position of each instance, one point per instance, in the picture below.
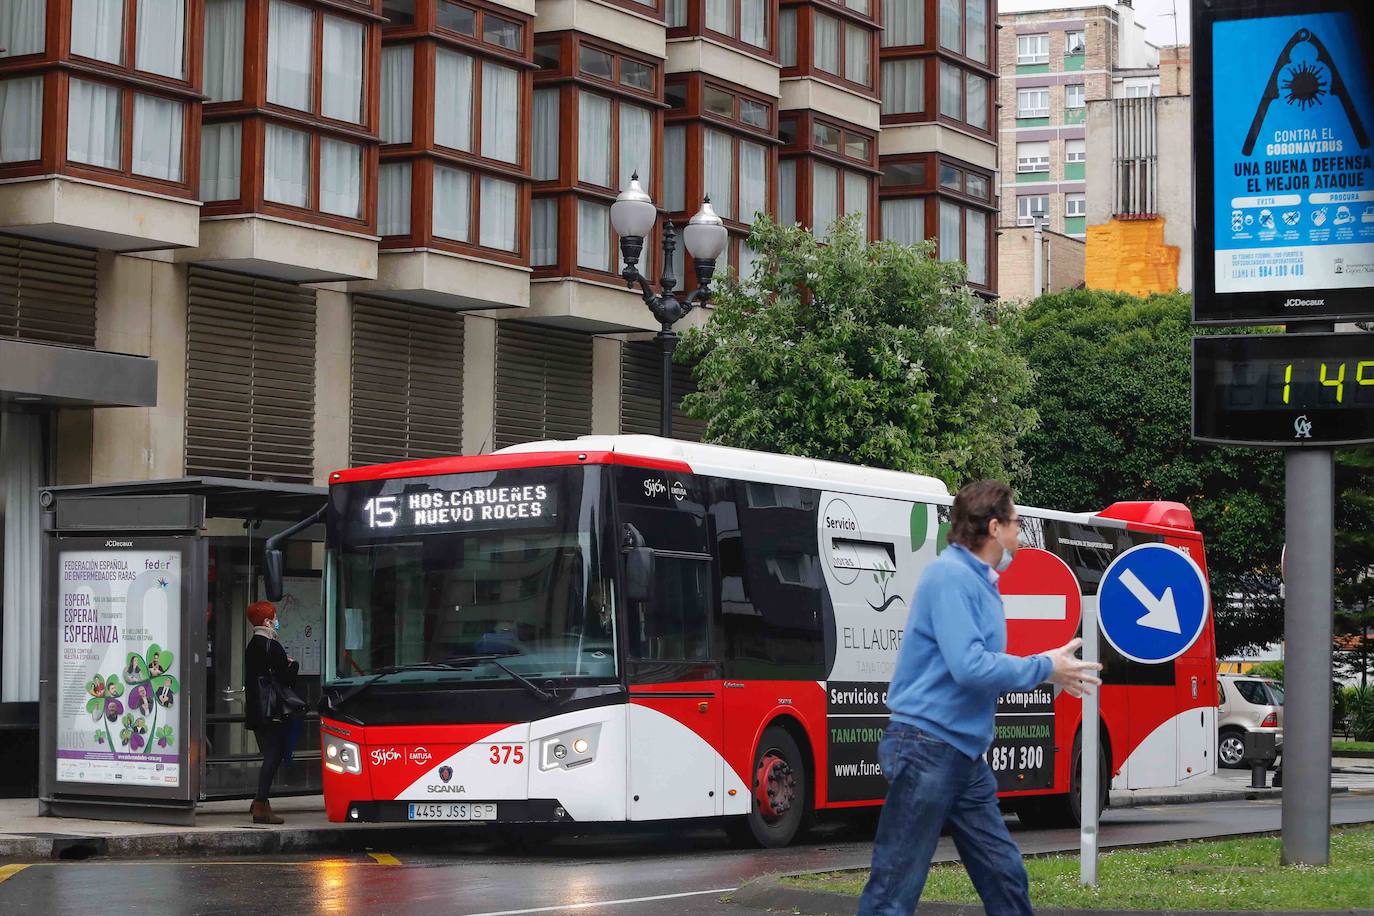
{"points": [[262, 813]]}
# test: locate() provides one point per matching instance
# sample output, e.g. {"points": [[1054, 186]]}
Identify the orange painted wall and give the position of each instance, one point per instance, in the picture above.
{"points": [[1130, 256]]}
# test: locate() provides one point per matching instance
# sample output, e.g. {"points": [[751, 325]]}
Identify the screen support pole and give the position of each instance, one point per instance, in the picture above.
{"points": [[1091, 747], [1310, 510]]}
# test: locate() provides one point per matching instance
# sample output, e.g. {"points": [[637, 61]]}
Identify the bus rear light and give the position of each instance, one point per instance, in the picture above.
{"points": [[341, 756], [1270, 721]]}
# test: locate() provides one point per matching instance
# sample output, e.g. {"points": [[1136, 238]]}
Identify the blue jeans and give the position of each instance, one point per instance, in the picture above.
{"points": [[930, 785]]}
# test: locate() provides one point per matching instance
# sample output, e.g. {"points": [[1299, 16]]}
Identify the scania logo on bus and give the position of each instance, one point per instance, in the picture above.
{"points": [[446, 773], [381, 756], [452, 790], [419, 756]]}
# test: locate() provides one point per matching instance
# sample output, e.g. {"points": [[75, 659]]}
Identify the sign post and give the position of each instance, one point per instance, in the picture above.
{"points": [[1092, 748], [1151, 605], [1283, 120]]}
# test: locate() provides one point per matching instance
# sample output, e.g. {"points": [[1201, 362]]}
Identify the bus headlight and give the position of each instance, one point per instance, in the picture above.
{"points": [[570, 749], [341, 756]]}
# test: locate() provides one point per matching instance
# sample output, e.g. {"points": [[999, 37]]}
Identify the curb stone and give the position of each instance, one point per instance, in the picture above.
{"points": [[771, 895]]}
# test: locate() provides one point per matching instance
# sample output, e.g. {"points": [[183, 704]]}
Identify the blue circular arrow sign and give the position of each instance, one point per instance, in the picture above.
{"points": [[1152, 603]]}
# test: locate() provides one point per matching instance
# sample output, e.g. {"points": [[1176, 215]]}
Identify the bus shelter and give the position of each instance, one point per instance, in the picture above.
{"points": [[145, 586]]}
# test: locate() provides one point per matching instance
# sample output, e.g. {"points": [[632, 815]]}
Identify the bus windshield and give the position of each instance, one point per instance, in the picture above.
{"points": [[472, 579]]}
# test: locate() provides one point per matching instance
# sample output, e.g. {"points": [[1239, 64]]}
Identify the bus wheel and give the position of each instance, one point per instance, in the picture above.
{"points": [[778, 804], [1048, 811]]}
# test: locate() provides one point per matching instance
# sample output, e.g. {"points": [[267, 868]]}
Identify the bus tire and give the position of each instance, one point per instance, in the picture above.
{"points": [[1048, 811], [779, 793]]}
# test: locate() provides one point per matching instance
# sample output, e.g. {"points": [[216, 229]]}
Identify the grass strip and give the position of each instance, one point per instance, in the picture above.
{"points": [[1338, 746], [1239, 874]]}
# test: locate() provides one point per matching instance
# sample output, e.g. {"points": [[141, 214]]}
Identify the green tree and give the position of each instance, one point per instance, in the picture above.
{"points": [[1113, 394], [870, 354], [1355, 562]]}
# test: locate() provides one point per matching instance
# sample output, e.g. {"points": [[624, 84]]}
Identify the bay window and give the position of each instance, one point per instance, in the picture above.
{"points": [[544, 232], [594, 236], [342, 85], [595, 127], [23, 28], [221, 161], [965, 28], [546, 139], [903, 23], [594, 146], [743, 22], [290, 55], [904, 88], [839, 161], [452, 203], [341, 176], [904, 220], [157, 137], [286, 166], [499, 213], [94, 123], [159, 45], [929, 197], [98, 30], [393, 198], [398, 93], [223, 55], [963, 96], [21, 119]]}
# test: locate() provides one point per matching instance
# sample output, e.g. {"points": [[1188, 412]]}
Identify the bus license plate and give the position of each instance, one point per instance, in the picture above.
{"points": [[452, 812]]}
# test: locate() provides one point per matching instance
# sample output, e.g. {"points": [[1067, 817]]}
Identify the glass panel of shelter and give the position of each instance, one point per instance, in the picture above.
{"points": [[235, 568]]}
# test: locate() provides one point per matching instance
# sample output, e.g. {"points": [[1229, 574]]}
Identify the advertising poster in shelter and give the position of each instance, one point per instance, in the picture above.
{"points": [[118, 677], [1293, 160]]}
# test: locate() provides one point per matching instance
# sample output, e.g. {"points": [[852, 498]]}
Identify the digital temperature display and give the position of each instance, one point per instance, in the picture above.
{"points": [[1284, 389]]}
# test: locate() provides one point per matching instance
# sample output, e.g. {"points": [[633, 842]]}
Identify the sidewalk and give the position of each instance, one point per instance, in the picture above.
{"points": [[224, 828]]}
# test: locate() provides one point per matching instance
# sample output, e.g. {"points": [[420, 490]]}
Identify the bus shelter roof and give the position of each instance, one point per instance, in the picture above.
{"points": [[224, 497]]}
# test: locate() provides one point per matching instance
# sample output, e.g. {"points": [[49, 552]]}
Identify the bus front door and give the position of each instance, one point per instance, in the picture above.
{"points": [[676, 726]]}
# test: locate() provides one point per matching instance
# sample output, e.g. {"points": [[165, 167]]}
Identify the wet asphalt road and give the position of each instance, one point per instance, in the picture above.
{"points": [[471, 872]]}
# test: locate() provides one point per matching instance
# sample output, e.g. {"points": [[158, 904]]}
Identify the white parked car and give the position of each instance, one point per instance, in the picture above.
{"points": [[1247, 704]]}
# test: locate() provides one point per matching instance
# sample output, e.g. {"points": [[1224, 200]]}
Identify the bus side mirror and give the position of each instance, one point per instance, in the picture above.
{"points": [[272, 573], [639, 573]]}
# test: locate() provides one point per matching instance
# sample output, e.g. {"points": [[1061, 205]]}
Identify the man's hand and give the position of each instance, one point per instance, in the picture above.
{"points": [[1071, 672]]}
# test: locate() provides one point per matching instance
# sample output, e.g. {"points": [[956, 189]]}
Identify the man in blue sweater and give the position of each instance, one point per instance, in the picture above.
{"points": [[952, 667]]}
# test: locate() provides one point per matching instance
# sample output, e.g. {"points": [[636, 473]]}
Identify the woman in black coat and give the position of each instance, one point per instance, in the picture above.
{"points": [[266, 655]]}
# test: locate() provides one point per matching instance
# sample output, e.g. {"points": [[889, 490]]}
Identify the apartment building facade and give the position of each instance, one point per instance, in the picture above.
{"points": [[1053, 63], [260, 240]]}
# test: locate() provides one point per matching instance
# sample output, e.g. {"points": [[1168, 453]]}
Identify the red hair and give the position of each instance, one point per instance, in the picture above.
{"points": [[259, 612]]}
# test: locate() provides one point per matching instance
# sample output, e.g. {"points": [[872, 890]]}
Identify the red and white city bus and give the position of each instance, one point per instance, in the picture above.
{"points": [[632, 629]]}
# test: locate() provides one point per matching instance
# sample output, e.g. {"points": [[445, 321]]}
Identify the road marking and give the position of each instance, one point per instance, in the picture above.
{"points": [[9, 871], [385, 858], [588, 906]]}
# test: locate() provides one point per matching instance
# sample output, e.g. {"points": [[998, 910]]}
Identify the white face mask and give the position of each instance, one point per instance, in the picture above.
{"points": [[1003, 563]]}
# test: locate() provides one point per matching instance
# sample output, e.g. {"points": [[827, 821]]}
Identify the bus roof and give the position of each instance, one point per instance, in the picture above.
{"points": [[744, 464], [766, 467]]}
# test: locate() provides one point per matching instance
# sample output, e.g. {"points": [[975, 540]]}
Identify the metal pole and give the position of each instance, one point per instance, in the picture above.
{"points": [[1091, 748], [1037, 253], [667, 340], [1310, 508]]}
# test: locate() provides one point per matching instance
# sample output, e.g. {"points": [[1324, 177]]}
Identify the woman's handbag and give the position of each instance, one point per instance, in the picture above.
{"points": [[277, 702]]}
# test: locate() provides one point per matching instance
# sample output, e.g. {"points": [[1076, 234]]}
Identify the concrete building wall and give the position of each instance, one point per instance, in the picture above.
{"points": [[1141, 255], [1062, 263]]}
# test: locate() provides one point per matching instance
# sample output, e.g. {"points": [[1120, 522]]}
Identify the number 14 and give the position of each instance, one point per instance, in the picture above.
{"points": [[1338, 382]]}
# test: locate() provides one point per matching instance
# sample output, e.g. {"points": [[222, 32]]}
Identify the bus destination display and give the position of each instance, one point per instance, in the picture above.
{"points": [[1284, 389], [435, 508]]}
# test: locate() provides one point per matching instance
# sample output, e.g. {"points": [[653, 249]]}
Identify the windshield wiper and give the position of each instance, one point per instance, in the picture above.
{"points": [[332, 706], [525, 682]]}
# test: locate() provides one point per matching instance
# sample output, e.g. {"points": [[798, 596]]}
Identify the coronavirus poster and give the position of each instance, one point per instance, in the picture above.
{"points": [[118, 683], [1293, 162]]}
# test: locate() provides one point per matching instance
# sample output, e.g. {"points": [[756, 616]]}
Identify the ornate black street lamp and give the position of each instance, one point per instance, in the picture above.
{"points": [[633, 215]]}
